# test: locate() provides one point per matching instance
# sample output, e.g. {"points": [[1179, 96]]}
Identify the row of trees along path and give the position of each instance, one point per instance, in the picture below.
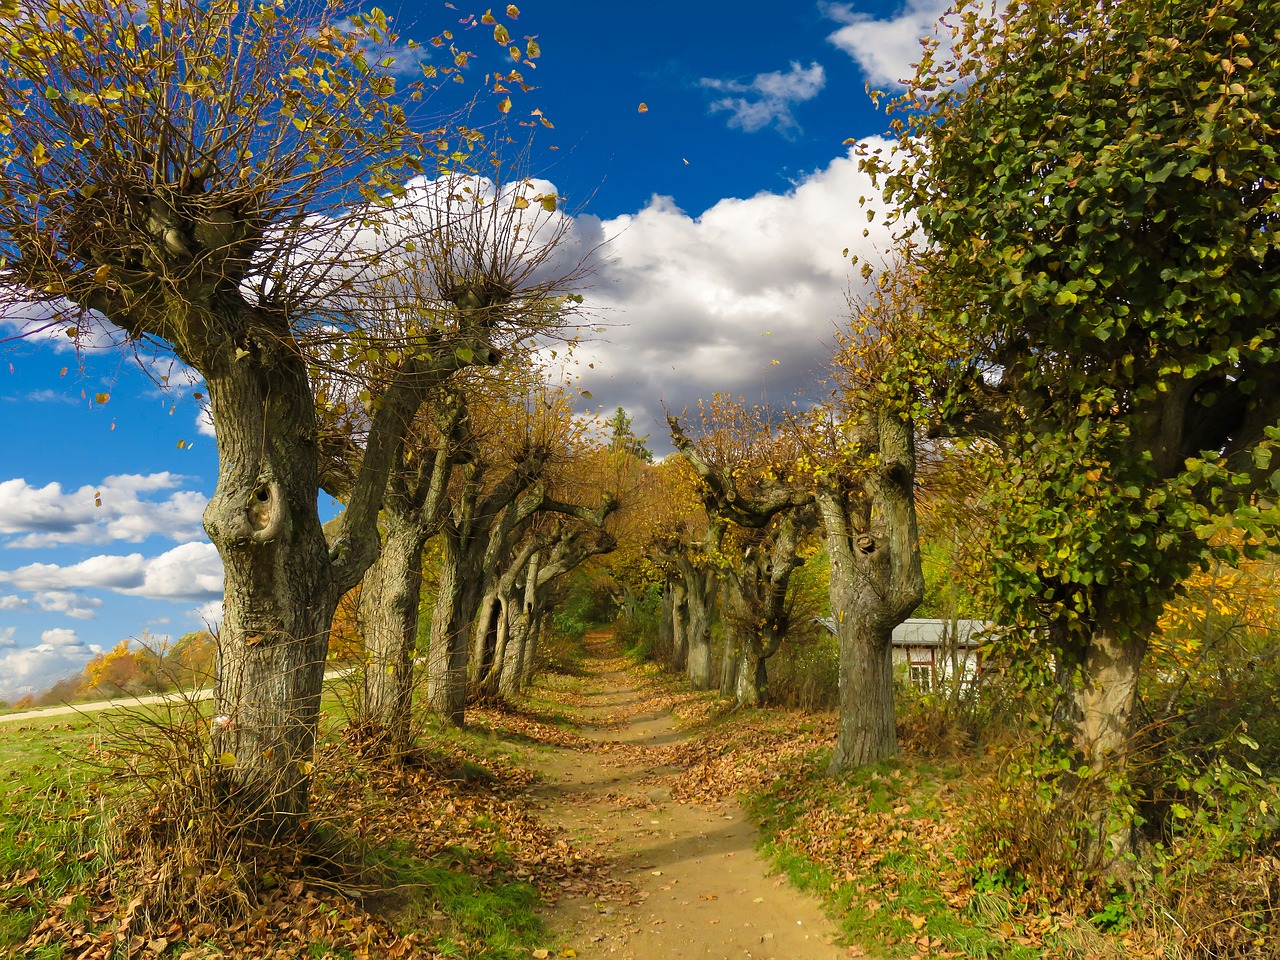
{"points": [[699, 888]]}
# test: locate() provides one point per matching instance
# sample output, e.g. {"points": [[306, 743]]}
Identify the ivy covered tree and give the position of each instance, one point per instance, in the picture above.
{"points": [[213, 178], [1097, 184]]}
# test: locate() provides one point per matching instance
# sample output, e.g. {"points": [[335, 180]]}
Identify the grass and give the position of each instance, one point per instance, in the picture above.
{"points": [[880, 848], [52, 850]]}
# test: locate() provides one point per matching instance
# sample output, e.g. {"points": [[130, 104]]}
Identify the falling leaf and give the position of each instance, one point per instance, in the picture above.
{"points": [[101, 397], [643, 108], [513, 11]]}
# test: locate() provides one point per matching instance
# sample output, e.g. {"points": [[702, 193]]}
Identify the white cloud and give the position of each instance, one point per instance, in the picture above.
{"points": [[190, 572], [7, 638], [208, 614], [886, 50], [48, 515], [59, 637], [694, 305], [767, 100], [13, 602], [37, 668], [68, 602]]}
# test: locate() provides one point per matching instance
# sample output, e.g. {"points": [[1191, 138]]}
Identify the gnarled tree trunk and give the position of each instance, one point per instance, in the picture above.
{"points": [[389, 598], [876, 581]]}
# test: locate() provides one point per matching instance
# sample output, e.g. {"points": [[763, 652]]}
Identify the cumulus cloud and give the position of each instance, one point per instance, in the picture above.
{"points": [[32, 669], [13, 602], [60, 637], [698, 304], [7, 637], [68, 602], [766, 101], [191, 572], [129, 510], [886, 50]]}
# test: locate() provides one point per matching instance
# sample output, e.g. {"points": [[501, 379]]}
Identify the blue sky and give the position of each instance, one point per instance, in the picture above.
{"points": [[725, 205]]}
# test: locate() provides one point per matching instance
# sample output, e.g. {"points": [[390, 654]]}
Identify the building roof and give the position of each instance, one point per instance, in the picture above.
{"points": [[923, 632]]}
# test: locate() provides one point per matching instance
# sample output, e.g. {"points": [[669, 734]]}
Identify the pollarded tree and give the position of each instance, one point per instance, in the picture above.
{"points": [[197, 174], [1097, 182], [745, 467]]}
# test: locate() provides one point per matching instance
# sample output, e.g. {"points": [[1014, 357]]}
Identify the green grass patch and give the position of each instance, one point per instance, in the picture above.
{"points": [[885, 848], [494, 916]]}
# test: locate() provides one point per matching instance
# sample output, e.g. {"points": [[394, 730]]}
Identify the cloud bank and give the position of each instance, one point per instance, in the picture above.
{"points": [[886, 50], [124, 507], [742, 298]]}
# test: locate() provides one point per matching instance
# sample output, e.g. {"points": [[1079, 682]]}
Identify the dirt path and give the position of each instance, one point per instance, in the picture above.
{"points": [[701, 890]]}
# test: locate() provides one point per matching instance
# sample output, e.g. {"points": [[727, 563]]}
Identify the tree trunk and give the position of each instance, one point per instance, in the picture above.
{"points": [[868, 729], [279, 594], [665, 645], [450, 622], [514, 676], [389, 601], [752, 687], [730, 654], [537, 624], [483, 636], [1105, 702], [679, 627], [701, 591], [876, 581]]}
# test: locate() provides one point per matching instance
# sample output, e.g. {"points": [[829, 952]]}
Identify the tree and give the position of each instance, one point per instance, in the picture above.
{"points": [[864, 467], [745, 467], [216, 180], [623, 439], [1096, 185]]}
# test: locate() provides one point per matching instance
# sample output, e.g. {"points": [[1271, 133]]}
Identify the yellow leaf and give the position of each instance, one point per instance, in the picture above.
{"points": [[643, 108], [513, 11], [504, 106], [227, 760], [101, 397], [541, 954]]}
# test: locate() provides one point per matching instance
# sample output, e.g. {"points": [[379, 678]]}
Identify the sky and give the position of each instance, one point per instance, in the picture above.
{"points": [[725, 205]]}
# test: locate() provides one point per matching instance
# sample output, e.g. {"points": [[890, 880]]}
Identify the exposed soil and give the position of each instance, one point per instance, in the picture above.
{"points": [[696, 886]]}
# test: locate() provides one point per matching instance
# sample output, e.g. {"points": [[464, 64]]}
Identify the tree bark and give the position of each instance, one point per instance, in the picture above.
{"points": [[280, 595], [700, 594], [1106, 700], [389, 600], [876, 581], [679, 627]]}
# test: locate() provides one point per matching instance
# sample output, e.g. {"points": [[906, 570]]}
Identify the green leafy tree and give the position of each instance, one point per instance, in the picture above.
{"points": [[623, 439], [1095, 184], [213, 178]]}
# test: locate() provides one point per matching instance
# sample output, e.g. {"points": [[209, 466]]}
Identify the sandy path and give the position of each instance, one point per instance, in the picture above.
{"points": [[702, 891]]}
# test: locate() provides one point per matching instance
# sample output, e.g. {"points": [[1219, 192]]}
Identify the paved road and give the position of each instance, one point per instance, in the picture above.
{"points": [[129, 702]]}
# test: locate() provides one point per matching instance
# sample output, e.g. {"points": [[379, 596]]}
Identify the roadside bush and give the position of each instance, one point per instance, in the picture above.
{"points": [[804, 673], [638, 621]]}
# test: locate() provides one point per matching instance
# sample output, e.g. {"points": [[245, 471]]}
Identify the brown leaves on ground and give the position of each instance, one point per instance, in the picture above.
{"points": [[319, 898]]}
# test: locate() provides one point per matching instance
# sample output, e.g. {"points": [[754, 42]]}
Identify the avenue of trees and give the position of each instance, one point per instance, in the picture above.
{"points": [[1069, 358]]}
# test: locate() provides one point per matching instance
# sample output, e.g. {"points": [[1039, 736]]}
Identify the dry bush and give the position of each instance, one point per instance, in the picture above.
{"points": [[183, 846]]}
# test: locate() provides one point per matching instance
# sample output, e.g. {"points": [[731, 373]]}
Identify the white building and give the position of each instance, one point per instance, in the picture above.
{"points": [[927, 652]]}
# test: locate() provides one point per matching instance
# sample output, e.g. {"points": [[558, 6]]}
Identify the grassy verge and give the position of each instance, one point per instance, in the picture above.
{"points": [[889, 850], [437, 860]]}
